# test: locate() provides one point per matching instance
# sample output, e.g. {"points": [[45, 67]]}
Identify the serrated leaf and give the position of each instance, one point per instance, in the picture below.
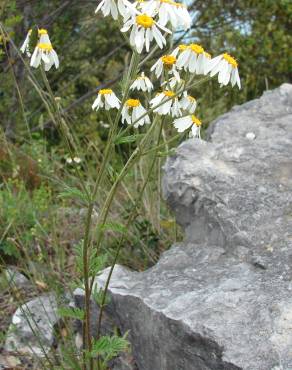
{"points": [[97, 295], [73, 313], [96, 263], [109, 347], [73, 193]]}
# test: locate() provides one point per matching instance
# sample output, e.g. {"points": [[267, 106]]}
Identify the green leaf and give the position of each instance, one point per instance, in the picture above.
{"points": [[73, 193], [73, 313], [97, 295], [127, 139], [96, 263], [109, 347], [114, 226]]}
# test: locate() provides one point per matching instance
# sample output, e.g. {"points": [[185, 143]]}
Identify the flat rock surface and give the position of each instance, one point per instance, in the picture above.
{"points": [[222, 299]]}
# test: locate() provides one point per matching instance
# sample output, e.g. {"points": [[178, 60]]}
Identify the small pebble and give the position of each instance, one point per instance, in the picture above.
{"points": [[250, 136]]}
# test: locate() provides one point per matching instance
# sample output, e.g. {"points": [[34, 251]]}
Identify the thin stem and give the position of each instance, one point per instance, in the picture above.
{"points": [[61, 129], [132, 159], [86, 323], [160, 146], [132, 71], [130, 219], [87, 241]]}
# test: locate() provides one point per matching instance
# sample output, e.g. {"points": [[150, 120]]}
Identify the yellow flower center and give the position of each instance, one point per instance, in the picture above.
{"points": [[182, 47], [42, 31], [196, 121], [230, 60], [207, 55], [179, 5], [29, 31], [105, 91], [144, 20], [45, 47], [169, 94], [196, 48], [191, 98], [168, 60], [132, 103]]}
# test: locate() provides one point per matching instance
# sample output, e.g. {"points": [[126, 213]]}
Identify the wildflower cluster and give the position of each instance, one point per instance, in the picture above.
{"points": [[147, 24]]}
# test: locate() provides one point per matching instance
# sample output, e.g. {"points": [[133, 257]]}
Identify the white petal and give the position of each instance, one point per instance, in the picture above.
{"points": [[55, 58], [214, 62], [195, 131], [193, 62], [34, 58], [237, 78], [139, 40], [99, 6], [182, 124], [114, 10], [158, 37], [183, 58]]}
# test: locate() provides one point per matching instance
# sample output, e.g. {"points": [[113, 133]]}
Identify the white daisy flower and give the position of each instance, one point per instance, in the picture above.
{"points": [[143, 30], [180, 48], [227, 67], [166, 63], [173, 83], [24, 46], [45, 53], [106, 99], [188, 103], [132, 111], [142, 83], [113, 8], [183, 16], [184, 123], [171, 105], [168, 12], [44, 37], [192, 58]]}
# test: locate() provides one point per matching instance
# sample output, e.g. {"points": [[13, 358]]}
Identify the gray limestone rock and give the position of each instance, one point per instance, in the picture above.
{"points": [[32, 327], [222, 299], [15, 280]]}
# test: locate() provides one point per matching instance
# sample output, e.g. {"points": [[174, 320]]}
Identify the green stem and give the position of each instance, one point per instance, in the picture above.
{"points": [[130, 219], [87, 241]]}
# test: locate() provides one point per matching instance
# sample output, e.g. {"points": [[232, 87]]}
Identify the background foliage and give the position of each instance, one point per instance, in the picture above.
{"points": [[40, 227], [93, 54]]}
